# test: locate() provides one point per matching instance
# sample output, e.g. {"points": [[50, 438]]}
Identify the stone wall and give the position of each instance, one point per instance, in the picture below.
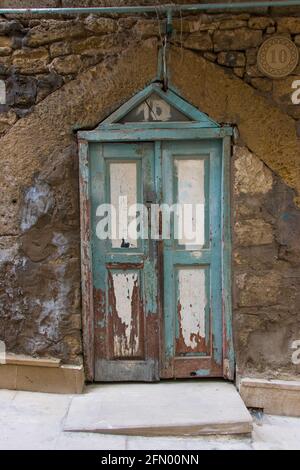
{"points": [[65, 73], [266, 265]]}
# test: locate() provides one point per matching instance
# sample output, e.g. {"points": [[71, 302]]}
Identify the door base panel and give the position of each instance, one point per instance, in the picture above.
{"points": [[121, 371]]}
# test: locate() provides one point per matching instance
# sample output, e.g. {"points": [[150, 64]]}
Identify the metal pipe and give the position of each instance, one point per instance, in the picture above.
{"points": [[151, 8]]}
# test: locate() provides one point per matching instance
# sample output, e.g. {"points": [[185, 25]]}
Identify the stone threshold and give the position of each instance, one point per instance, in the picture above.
{"points": [[167, 408], [40, 375], [276, 397]]}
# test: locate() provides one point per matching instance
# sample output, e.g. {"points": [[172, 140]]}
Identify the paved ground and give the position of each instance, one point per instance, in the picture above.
{"points": [[35, 421]]}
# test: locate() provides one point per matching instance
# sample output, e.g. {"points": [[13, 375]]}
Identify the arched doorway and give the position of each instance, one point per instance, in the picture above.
{"points": [[157, 302]]}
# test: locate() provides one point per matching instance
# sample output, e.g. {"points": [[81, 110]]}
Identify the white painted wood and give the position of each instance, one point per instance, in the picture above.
{"points": [[123, 194], [191, 198], [154, 109], [124, 284], [192, 298]]}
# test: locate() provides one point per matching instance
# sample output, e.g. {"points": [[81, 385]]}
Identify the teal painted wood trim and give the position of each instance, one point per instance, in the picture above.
{"points": [[209, 259], [128, 106], [139, 134], [156, 125], [192, 258], [171, 97], [86, 261], [190, 111], [215, 197], [228, 353]]}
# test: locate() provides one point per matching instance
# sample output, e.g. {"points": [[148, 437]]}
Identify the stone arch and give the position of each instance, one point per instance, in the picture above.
{"points": [[37, 140]]}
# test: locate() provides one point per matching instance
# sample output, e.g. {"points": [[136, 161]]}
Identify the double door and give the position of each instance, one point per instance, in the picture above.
{"points": [[156, 259]]}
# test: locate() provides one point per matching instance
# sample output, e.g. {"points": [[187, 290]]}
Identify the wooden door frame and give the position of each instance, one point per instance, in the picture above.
{"points": [[201, 127]]}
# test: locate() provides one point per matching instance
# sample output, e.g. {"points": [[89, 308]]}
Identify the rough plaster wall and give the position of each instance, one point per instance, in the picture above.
{"points": [[61, 78], [39, 242], [266, 266]]}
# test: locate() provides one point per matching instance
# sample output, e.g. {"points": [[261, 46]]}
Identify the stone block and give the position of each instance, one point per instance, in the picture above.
{"points": [[21, 90], [288, 24], [23, 360], [8, 376], [276, 397], [4, 51], [94, 45], [231, 59], [49, 31], [262, 84], [186, 25], [251, 175], [100, 25], [60, 48], [5, 41], [66, 65], [238, 39], [283, 90], [148, 28], [65, 379], [199, 42], [253, 71], [260, 22], [5, 65], [239, 71], [10, 26], [31, 61], [7, 120], [260, 290], [251, 56], [232, 23]]}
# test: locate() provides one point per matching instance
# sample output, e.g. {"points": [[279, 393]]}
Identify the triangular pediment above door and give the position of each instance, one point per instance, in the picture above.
{"points": [[153, 105]]}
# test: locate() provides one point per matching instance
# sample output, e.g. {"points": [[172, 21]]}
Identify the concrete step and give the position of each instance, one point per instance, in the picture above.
{"points": [[184, 408]]}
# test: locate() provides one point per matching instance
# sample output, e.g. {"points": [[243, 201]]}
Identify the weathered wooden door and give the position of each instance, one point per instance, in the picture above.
{"points": [[192, 323], [156, 303], [126, 312]]}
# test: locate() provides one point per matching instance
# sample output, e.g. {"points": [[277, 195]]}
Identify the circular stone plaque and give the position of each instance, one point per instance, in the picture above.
{"points": [[277, 57]]}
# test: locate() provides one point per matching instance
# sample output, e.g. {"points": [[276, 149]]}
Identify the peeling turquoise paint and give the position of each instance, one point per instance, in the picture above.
{"points": [[155, 144]]}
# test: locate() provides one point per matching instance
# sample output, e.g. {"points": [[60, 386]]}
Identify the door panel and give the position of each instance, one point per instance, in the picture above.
{"points": [[192, 322], [133, 276], [124, 268]]}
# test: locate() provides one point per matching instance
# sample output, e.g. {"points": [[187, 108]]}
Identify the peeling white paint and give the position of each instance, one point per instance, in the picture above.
{"points": [[61, 243], [154, 109], [123, 194], [38, 201], [55, 307], [192, 298], [7, 255], [191, 194], [123, 284]]}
